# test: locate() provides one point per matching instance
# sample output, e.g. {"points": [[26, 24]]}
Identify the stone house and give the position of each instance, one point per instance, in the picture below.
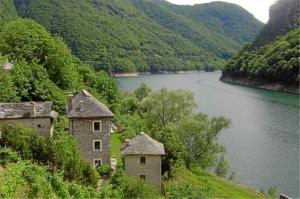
{"points": [[90, 124], [142, 156], [35, 115]]}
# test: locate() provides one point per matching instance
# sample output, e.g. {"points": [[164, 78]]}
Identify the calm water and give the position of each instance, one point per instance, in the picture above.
{"points": [[263, 141]]}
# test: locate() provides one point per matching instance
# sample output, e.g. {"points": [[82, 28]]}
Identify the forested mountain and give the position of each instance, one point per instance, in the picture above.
{"points": [[272, 60], [7, 11], [227, 19], [131, 35]]}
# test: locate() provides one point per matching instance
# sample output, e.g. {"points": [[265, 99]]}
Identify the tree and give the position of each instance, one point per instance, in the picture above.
{"points": [[199, 134], [163, 107], [32, 83], [221, 169], [26, 40], [142, 92], [7, 88]]}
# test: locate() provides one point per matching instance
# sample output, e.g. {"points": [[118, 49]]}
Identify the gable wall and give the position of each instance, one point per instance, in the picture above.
{"points": [[152, 168], [82, 130], [46, 128]]}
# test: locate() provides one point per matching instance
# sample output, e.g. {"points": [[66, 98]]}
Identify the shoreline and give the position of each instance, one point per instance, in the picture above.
{"points": [[261, 85], [136, 74]]}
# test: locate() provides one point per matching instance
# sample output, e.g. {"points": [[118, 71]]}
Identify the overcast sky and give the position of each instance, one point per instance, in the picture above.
{"points": [[259, 8]]}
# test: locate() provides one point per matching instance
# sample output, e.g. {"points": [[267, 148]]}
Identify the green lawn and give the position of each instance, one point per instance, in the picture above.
{"points": [[221, 188], [116, 145]]}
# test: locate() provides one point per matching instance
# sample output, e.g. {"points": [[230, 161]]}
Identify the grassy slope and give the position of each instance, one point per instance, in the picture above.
{"points": [[221, 188], [116, 145]]}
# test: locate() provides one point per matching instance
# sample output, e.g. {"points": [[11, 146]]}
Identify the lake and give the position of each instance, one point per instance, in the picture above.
{"points": [[262, 143]]}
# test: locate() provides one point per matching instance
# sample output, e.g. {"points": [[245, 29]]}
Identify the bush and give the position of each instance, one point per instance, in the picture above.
{"points": [[131, 187], [103, 169], [60, 153], [185, 190], [8, 156]]}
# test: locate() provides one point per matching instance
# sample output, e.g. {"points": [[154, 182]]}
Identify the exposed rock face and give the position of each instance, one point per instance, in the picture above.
{"points": [[259, 84]]}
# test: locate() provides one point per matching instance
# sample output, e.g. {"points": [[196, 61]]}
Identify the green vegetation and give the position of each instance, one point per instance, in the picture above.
{"points": [[230, 21], [8, 11], [115, 146], [167, 116], [272, 60], [123, 36], [45, 69], [130, 35], [210, 184]]}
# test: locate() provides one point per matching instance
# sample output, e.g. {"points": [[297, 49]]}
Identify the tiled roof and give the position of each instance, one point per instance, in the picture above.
{"points": [[143, 144], [26, 110], [84, 105]]}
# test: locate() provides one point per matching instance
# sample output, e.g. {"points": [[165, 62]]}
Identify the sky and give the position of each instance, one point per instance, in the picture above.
{"points": [[259, 8]]}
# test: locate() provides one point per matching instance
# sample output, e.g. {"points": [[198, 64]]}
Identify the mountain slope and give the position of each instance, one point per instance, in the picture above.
{"points": [[7, 11], [119, 36], [272, 61], [225, 18], [284, 16], [204, 37]]}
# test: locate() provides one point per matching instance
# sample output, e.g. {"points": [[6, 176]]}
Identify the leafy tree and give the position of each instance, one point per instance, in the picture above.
{"points": [[32, 83], [142, 92], [199, 135], [222, 166], [164, 107], [7, 88]]}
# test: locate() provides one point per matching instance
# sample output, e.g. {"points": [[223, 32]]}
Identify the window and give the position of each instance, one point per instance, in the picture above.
{"points": [[143, 160], [97, 162], [97, 145], [97, 126], [39, 125], [143, 177]]}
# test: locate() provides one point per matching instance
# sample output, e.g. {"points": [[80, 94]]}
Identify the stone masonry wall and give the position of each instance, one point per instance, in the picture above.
{"points": [[82, 130], [44, 126], [152, 168]]}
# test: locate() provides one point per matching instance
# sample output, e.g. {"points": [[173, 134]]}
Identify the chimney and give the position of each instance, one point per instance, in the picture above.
{"points": [[70, 96], [33, 114]]}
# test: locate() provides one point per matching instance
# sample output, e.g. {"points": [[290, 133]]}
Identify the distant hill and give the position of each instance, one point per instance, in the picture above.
{"points": [[272, 60], [144, 35], [8, 11], [224, 18]]}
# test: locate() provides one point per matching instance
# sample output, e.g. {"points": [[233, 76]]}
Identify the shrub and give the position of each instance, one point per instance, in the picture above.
{"points": [[60, 153], [132, 187], [8, 156], [103, 169], [185, 190]]}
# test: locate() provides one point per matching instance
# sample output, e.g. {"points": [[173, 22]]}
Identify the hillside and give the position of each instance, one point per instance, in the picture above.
{"points": [[227, 19], [129, 35], [8, 11], [272, 60]]}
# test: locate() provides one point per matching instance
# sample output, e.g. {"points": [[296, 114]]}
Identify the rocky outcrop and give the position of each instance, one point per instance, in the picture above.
{"points": [[261, 84]]}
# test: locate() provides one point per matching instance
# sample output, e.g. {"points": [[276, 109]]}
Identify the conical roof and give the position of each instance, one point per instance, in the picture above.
{"points": [[84, 105], [143, 144]]}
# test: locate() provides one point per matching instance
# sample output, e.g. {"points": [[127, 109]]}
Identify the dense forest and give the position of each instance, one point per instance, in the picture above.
{"points": [[130, 35], [273, 58]]}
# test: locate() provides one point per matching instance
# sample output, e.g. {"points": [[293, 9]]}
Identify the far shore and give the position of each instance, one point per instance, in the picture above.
{"points": [[261, 85], [136, 74]]}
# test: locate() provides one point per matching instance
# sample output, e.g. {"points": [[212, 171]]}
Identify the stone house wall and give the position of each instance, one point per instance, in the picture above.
{"points": [[151, 169], [44, 126], [82, 130]]}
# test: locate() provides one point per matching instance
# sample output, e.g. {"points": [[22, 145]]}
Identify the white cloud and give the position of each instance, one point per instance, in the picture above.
{"points": [[259, 8]]}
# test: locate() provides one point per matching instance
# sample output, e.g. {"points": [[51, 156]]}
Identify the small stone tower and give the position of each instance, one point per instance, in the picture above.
{"points": [[90, 124], [143, 159]]}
